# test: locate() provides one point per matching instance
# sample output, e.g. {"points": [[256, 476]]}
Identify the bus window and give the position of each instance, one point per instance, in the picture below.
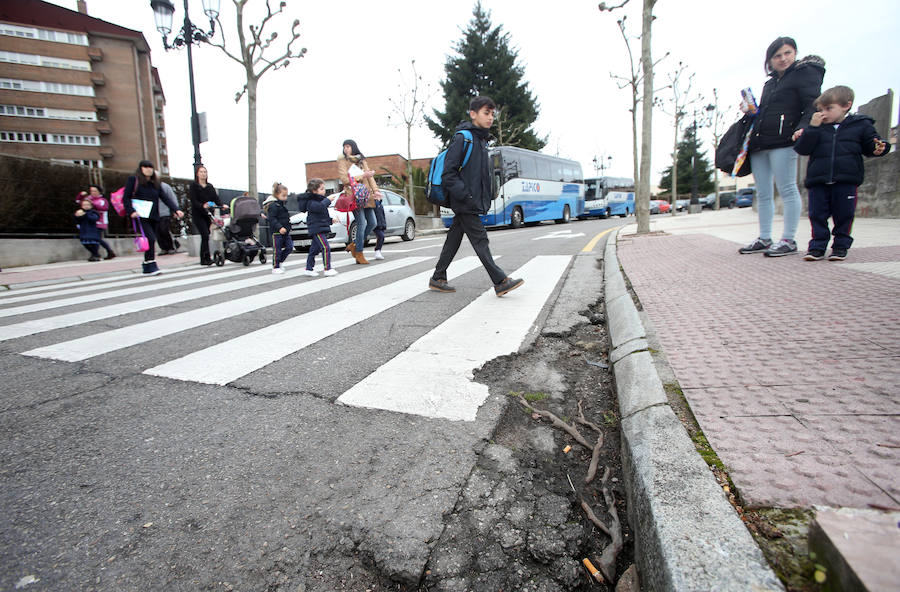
{"points": [[543, 170], [528, 168]]}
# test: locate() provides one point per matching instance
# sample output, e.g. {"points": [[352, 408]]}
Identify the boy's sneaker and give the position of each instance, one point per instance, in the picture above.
{"points": [[93, 258], [378, 255], [814, 255], [311, 272], [440, 286], [757, 246], [781, 248], [837, 255], [507, 285], [331, 272], [277, 270]]}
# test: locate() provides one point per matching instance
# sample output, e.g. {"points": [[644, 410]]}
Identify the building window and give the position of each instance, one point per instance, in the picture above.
{"points": [[47, 87], [31, 59], [23, 111], [41, 138], [43, 34], [94, 164]]}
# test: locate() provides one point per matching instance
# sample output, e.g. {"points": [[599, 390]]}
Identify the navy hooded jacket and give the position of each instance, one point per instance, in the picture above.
{"points": [[835, 155], [469, 188], [318, 218]]}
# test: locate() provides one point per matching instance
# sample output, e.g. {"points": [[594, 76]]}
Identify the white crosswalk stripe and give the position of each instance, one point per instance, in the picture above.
{"points": [[448, 355], [78, 287], [107, 341], [228, 361], [91, 298], [104, 312]]}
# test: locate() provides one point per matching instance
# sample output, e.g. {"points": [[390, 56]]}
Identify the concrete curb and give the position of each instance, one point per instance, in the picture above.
{"points": [[687, 535]]}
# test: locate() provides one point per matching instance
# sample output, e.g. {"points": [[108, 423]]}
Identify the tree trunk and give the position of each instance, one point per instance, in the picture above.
{"points": [[409, 179], [675, 165], [634, 138], [642, 201], [251, 135]]}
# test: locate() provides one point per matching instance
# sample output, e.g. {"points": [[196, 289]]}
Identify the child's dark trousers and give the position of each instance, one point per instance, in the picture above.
{"points": [[319, 245], [838, 202], [282, 246]]}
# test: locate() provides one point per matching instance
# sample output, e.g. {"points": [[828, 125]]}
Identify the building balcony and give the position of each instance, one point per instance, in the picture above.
{"points": [[98, 79], [103, 127], [107, 151], [101, 103], [95, 53]]}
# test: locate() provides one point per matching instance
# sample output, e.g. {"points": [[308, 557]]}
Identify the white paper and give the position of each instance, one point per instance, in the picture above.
{"points": [[142, 207], [355, 171]]}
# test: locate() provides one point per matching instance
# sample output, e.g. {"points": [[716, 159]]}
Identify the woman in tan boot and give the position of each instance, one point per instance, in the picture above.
{"points": [[353, 162]]}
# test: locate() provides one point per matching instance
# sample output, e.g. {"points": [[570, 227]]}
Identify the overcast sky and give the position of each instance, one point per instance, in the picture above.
{"points": [[341, 88]]}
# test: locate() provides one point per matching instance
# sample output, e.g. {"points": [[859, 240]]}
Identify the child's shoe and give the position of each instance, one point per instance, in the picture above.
{"points": [[837, 255], [110, 255], [814, 255], [277, 270], [93, 258], [331, 272], [378, 255], [311, 272]]}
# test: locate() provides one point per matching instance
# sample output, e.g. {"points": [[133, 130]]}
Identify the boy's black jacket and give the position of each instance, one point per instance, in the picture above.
{"points": [[469, 190], [278, 216], [318, 218], [786, 103], [835, 156]]}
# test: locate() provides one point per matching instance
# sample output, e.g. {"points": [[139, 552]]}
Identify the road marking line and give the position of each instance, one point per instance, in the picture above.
{"points": [[593, 243], [88, 285], [434, 376], [559, 234], [232, 359], [100, 343], [112, 310]]}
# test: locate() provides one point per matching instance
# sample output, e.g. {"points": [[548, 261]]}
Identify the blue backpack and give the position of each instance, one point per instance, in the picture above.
{"points": [[434, 193]]}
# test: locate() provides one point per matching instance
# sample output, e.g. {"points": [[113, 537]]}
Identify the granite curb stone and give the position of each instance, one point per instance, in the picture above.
{"points": [[581, 280], [688, 537]]}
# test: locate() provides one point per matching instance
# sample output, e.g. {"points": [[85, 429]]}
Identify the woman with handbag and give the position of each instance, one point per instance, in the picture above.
{"points": [[357, 177], [141, 198], [204, 197], [786, 105]]}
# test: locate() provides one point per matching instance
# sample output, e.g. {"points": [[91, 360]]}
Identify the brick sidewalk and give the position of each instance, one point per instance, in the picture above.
{"points": [[791, 367]]}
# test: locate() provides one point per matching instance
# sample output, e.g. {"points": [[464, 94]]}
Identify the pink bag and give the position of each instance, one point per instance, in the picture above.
{"points": [[141, 243], [117, 199]]}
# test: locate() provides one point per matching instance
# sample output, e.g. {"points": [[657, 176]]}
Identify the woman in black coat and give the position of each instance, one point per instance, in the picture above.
{"points": [[143, 187], [785, 106], [202, 194]]}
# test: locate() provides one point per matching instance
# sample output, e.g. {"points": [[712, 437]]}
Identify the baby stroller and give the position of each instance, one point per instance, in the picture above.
{"points": [[239, 240]]}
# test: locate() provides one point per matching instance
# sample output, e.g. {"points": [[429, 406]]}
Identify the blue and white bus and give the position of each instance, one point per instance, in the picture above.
{"points": [[530, 187], [608, 196]]}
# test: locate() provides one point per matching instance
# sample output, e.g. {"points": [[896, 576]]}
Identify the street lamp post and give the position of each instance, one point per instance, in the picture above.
{"points": [[600, 165], [712, 114], [163, 11]]}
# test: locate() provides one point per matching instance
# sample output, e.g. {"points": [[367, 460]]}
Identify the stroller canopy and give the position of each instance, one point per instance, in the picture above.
{"points": [[245, 207]]}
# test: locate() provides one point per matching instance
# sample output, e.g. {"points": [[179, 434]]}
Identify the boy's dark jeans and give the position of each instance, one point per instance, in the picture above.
{"points": [[282, 246], [837, 201], [471, 226]]}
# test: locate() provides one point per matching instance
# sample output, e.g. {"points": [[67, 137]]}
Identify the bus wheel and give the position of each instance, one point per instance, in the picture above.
{"points": [[567, 216], [625, 214], [517, 218]]}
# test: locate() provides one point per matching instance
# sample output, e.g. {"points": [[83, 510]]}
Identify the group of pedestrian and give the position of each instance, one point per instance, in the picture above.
{"points": [[794, 117]]}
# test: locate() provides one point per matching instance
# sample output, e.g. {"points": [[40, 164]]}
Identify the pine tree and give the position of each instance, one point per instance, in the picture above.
{"points": [[687, 148], [486, 65]]}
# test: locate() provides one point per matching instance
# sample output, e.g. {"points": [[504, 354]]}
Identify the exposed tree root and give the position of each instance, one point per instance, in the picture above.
{"points": [[607, 561], [557, 422]]}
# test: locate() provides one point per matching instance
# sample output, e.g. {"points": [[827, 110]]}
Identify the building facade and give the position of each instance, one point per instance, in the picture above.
{"points": [[77, 89], [383, 166]]}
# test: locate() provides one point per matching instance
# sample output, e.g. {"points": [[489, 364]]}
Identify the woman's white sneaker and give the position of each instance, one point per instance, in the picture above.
{"points": [[311, 272]]}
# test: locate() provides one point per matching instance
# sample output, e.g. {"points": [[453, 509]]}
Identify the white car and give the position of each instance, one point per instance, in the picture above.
{"points": [[398, 216]]}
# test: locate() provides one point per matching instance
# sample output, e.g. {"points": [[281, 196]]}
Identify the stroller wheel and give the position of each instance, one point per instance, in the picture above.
{"points": [[219, 259], [247, 259], [262, 257]]}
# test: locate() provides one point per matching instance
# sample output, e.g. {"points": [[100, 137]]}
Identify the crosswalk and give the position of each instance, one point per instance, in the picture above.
{"points": [[432, 377]]}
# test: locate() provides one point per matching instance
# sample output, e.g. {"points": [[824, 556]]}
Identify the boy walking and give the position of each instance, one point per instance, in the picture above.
{"points": [[469, 194], [318, 225], [835, 142]]}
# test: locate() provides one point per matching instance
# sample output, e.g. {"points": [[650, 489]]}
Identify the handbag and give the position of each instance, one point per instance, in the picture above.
{"points": [[141, 244], [345, 203], [731, 153]]}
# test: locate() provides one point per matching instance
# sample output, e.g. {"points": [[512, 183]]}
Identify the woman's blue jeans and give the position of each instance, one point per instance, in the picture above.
{"points": [[365, 224], [776, 168]]}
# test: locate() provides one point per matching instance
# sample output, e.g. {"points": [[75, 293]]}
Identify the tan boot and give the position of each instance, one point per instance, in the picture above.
{"points": [[360, 259], [351, 248]]}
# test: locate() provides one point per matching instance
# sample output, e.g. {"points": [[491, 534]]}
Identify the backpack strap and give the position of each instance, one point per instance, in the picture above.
{"points": [[467, 137]]}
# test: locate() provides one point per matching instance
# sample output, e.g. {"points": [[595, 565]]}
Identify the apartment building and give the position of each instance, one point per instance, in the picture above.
{"points": [[78, 89], [327, 170]]}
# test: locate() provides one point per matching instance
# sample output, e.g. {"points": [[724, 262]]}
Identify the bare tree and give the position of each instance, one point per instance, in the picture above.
{"points": [[681, 90], [252, 48], [507, 133], [411, 109], [716, 126], [642, 201]]}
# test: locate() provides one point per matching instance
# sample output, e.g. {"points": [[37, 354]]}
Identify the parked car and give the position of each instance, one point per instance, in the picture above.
{"points": [[664, 206], [398, 216], [681, 204], [726, 200], [654, 206], [659, 206], [744, 197]]}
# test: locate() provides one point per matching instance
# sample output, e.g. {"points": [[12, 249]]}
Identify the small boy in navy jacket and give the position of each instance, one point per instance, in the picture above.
{"points": [[318, 224], [279, 225], [835, 143]]}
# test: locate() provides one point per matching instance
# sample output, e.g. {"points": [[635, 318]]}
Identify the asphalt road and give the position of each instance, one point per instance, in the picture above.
{"points": [[226, 428]]}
